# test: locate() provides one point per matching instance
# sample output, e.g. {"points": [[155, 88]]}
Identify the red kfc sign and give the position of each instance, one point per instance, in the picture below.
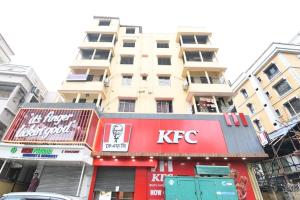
{"points": [[162, 136]]}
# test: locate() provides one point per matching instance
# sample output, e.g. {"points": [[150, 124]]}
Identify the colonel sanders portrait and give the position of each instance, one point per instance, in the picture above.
{"points": [[117, 131]]}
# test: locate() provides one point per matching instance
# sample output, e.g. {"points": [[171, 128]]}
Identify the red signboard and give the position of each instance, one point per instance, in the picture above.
{"points": [[155, 188], [167, 136], [52, 126]]}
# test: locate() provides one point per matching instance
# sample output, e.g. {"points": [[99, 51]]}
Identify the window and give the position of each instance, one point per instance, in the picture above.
{"points": [[82, 101], [207, 56], [126, 80], [251, 108], [101, 54], [200, 79], [106, 38], [164, 81], [282, 87], [258, 125], [194, 39], [244, 93], [87, 54], [104, 22], [164, 60], [162, 44], [205, 104], [126, 105], [192, 56], [293, 106], [6, 90], [127, 60], [164, 106], [129, 44], [130, 30], [188, 39], [278, 112], [92, 37], [201, 39], [144, 77], [271, 71]]}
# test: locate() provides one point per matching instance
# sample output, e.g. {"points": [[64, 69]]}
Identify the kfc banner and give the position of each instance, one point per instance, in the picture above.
{"points": [[51, 125], [161, 136]]}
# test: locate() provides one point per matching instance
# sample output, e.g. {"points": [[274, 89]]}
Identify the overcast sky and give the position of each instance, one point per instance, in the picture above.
{"points": [[45, 34]]}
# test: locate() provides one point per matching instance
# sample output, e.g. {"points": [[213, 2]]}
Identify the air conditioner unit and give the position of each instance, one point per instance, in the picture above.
{"points": [[106, 82], [185, 85]]}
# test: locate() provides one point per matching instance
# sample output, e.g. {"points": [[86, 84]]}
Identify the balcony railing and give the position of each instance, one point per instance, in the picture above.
{"points": [[77, 77]]}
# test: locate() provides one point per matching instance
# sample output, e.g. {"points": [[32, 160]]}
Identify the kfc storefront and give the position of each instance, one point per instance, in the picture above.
{"points": [[53, 140], [134, 152]]}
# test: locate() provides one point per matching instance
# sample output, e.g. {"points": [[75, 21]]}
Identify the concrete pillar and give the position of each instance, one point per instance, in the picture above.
{"points": [[189, 77], [78, 97], [98, 99], [194, 104], [207, 77], [215, 102]]}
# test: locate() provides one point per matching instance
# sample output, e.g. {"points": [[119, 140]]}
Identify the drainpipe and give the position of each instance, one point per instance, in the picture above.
{"points": [[80, 181]]}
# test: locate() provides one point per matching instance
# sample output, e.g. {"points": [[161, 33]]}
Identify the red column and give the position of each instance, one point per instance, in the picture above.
{"points": [[140, 186], [92, 185]]}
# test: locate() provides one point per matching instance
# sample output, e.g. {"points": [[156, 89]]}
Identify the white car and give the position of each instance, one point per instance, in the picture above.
{"points": [[37, 196]]}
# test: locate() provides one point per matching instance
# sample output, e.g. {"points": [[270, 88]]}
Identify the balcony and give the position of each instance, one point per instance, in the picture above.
{"points": [[78, 84], [197, 47], [202, 66], [191, 31], [196, 89], [96, 45], [92, 64]]}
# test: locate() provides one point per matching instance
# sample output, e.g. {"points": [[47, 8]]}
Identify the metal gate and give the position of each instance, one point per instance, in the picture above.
{"points": [[62, 180], [119, 179]]}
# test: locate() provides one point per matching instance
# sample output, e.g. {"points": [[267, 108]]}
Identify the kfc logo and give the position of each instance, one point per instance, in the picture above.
{"points": [[116, 137]]}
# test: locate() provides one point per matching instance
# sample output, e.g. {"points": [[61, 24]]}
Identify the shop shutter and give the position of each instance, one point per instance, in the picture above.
{"points": [[62, 180], [108, 178]]}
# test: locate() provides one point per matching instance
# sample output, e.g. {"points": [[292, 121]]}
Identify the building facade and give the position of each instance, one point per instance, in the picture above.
{"points": [[18, 84], [137, 107], [269, 90], [5, 51], [269, 93], [122, 69]]}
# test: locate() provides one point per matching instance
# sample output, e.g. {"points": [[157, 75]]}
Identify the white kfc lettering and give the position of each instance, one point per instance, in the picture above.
{"points": [[164, 136], [159, 177]]}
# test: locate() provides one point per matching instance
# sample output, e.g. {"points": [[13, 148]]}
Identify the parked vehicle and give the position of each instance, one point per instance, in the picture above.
{"points": [[36, 196]]}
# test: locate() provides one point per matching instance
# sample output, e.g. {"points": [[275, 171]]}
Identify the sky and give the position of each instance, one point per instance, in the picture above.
{"points": [[45, 34]]}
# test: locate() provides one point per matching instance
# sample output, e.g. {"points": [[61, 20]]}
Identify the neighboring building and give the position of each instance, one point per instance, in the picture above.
{"points": [[5, 51], [269, 92], [122, 69], [18, 84], [163, 102]]}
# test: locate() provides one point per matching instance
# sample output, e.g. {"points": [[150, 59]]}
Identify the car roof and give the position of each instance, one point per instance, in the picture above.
{"points": [[37, 194]]}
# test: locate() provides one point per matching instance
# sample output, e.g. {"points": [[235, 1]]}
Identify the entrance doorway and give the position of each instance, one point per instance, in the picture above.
{"points": [[114, 183], [113, 195]]}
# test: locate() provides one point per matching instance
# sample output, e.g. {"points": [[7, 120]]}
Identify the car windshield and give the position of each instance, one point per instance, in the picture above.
{"points": [[21, 197]]}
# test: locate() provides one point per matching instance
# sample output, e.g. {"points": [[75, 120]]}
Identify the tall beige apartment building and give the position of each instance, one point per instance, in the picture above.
{"points": [[122, 69]]}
